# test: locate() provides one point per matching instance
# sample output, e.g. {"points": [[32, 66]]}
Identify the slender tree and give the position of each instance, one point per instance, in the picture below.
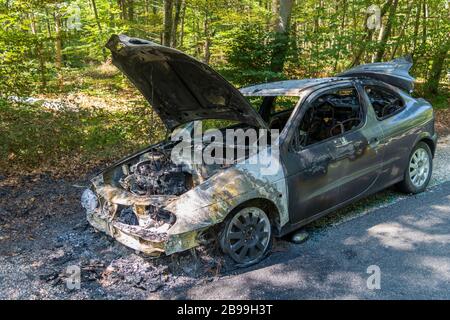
{"points": [[58, 47], [385, 31], [182, 21], [168, 9], [416, 28], [437, 66], [176, 22], [402, 30], [368, 33], [282, 10]]}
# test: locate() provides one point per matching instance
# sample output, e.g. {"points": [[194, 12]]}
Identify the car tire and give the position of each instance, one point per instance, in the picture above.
{"points": [[247, 236], [418, 170]]}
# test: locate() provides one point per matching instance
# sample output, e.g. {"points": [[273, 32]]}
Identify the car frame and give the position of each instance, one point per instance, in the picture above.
{"points": [[239, 206]]}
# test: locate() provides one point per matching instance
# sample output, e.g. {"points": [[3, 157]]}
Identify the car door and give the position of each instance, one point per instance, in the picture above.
{"points": [[325, 174], [363, 159], [398, 133], [311, 178]]}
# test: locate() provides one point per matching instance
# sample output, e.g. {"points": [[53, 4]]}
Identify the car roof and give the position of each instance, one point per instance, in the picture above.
{"points": [[286, 87]]}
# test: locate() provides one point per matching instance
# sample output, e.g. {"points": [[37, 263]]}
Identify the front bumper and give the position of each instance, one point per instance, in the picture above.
{"points": [[134, 237], [137, 237]]}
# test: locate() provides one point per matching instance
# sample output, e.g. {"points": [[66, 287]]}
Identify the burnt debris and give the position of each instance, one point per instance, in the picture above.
{"points": [[156, 175]]}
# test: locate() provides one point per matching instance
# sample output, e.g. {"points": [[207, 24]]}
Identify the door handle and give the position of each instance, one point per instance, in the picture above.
{"points": [[345, 150]]}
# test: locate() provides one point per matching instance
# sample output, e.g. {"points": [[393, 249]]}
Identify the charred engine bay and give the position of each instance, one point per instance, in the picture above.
{"points": [[155, 177], [156, 174], [159, 171]]}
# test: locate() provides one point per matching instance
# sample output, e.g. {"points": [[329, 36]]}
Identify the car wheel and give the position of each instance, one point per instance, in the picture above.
{"points": [[247, 236], [419, 169]]}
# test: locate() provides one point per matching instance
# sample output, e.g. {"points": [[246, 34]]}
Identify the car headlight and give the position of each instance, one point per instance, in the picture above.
{"points": [[89, 200]]}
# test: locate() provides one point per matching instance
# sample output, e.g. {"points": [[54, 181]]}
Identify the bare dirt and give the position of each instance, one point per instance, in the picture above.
{"points": [[43, 231], [442, 121]]}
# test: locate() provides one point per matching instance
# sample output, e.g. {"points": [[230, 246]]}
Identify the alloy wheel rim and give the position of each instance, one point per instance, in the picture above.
{"points": [[419, 167], [248, 235]]}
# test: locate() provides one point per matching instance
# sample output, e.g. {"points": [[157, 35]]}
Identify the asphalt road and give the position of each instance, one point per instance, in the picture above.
{"points": [[409, 241]]}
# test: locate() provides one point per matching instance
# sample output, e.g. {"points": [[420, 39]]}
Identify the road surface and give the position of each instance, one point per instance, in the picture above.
{"points": [[409, 241]]}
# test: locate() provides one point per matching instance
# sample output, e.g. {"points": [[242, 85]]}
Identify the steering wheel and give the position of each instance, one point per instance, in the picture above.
{"points": [[341, 126]]}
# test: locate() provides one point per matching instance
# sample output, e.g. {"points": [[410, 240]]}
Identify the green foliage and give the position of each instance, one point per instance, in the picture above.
{"points": [[235, 37], [250, 56], [438, 101], [31, 136]]}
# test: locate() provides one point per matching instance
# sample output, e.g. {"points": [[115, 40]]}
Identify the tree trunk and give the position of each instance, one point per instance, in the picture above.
{"points": [[130, 10], [403, 28], [147, 11], [121, 4], [176, 22], [424, 23], [340, 31], [206, 49], [58, 48], [416, 29], [282, 10], [97, 21], [207, 35], [183, 15], [39, 52], [432, 84], [47, 20], [317, 17], [196, 28], [367, 37], [385, 32], [99, 26], [168, 8]]}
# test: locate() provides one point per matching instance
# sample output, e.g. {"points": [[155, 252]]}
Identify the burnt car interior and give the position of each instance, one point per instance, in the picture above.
{"points": [[384, 102], [331, 114]]}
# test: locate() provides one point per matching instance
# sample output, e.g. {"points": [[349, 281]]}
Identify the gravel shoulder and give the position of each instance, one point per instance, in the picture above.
{"points": [[43, 231]]}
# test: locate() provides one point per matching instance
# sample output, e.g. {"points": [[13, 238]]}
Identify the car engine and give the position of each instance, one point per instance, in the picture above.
{"points": [[155, 174]]}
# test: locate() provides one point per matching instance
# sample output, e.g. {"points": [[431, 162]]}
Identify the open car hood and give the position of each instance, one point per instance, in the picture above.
{"points": [[394, 72], [179, 87]]}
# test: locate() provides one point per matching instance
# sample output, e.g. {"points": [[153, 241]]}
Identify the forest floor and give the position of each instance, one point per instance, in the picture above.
{"points": [[43, 232]]}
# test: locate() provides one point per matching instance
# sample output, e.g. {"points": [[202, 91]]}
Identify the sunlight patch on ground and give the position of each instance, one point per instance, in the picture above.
{"points": [[439, 266], [397, 236]]}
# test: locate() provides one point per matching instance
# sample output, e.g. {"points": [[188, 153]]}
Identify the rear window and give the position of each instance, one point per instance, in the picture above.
{"points": [[385, 102]]}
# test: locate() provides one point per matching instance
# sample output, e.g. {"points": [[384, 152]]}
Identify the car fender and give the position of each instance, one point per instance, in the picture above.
{"points": [[210, 203]]}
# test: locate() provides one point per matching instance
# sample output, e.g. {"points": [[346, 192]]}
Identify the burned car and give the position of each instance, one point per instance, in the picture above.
{"points": [[340, 139]]}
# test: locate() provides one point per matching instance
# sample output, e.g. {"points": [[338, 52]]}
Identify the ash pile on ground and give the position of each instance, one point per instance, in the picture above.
{"points": [[44, 233]]}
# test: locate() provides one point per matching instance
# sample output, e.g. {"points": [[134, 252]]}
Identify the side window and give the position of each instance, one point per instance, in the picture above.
{"points": [[284, 103], [385, 103], [330, 114]]}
